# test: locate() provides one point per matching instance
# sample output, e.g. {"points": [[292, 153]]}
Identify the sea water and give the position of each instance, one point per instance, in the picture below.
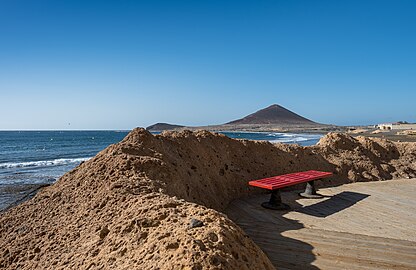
{"points": [[29, 159], [276, 137]]}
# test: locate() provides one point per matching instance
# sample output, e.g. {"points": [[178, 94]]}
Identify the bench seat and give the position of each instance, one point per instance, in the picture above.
{"points": [[275, 183], [290, 179]]}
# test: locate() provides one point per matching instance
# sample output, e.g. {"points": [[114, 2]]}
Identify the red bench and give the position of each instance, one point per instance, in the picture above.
{"points": [[275, 183]]}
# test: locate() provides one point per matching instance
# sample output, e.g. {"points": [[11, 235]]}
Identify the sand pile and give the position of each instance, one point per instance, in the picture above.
{"points": [[407, 132], [368, 159], [357, 131], [377, 131], [148, 202]]}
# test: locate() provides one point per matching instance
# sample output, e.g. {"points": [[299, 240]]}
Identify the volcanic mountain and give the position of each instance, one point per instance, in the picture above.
{"points": [[162, 127], [273, 114]]}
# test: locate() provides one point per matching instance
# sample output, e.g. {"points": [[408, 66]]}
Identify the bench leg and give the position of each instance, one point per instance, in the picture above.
{"points": [[275, 202], [310, 191]]}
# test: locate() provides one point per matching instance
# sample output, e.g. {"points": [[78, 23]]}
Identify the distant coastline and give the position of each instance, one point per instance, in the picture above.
{"points": [[273, 118]]}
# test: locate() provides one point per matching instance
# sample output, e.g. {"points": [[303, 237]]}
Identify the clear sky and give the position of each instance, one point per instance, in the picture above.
{"points": [[122, 64]]}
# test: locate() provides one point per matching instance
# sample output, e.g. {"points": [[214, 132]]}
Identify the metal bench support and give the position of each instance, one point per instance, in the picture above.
{"points": [[275, 202], [310, 191]]}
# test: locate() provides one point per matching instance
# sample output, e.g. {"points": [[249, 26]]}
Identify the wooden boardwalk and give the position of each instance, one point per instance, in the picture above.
{"points": [[358, 226]]}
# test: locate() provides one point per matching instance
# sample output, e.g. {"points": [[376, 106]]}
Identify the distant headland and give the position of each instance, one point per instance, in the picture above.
{"points": [[271, 118]]}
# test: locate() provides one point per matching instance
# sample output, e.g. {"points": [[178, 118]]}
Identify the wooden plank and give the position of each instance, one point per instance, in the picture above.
{"points": [[367, 234]]}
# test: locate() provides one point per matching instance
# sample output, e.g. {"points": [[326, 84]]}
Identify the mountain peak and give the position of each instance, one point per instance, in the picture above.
{"points": [[273, 106], [273, 114]]}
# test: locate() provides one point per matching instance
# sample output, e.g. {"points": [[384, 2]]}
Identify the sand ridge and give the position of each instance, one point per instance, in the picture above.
{"points": [[130, 207]]}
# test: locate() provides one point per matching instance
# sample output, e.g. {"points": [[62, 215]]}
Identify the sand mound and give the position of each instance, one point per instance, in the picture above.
{"points": [[131, 206], [358, 131], [368, 159], [407, 132]]}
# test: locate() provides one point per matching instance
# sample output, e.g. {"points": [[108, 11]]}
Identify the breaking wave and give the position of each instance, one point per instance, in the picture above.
{"points": [[43, 163]]}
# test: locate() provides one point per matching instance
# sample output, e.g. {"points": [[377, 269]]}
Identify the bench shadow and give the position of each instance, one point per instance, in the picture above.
{"points": [[334, 204], [266, 228], [286, 252]]}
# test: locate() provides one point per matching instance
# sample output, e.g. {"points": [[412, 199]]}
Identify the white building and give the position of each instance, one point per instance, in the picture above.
{"points": [[396, 126]]}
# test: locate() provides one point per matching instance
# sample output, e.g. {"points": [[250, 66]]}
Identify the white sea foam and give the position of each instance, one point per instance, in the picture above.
{"points": [[294, 138], [291, 140], [288, 135], [43, 163]]}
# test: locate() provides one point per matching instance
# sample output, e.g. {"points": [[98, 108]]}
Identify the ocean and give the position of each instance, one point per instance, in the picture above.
{"points": [[32, 159]]}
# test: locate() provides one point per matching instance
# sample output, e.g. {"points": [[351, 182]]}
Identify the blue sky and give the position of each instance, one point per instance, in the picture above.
{"points": [[122, 64]]}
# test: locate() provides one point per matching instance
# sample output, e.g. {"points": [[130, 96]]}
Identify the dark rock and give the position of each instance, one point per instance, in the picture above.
{"points": [[201, 245], [194, 223], [103, 232], [174, 245], [213, 237]]}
